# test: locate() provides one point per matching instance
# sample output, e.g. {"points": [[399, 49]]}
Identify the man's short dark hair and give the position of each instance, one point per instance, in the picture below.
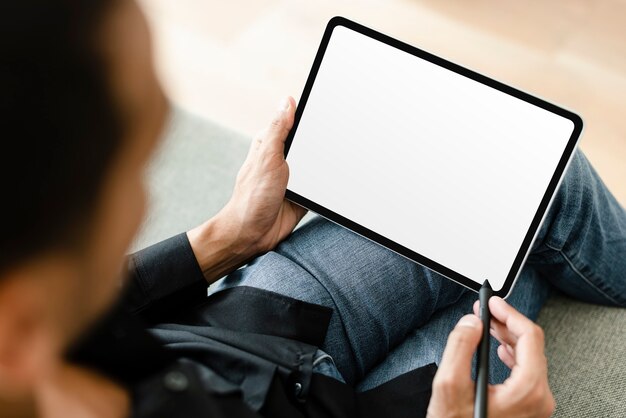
{"points": [[59, 128]]}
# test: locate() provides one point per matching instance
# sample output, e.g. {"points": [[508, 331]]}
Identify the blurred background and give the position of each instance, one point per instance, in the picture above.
{"points": [[232, 61]]}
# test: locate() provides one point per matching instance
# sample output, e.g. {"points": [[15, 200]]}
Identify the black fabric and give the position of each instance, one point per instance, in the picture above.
{"points": [[119, 347], [248, 360], [243, 352], [407, 392], [156, 397], [265, 313], [164, 280]]}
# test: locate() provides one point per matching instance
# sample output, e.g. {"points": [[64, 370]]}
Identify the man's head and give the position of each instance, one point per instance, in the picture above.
{"points": [[80, 112]]}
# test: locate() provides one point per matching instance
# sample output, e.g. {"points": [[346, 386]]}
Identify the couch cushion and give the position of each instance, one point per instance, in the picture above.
{"points": [[586, 350], [191, 176]]}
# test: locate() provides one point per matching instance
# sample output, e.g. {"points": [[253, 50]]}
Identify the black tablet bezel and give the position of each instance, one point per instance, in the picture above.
{"points": [[404, 251]]}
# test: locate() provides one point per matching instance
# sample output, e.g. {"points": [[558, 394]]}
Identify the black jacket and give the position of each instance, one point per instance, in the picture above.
{"points": [[243, 352]]}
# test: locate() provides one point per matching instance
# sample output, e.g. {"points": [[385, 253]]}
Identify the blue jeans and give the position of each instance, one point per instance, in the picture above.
{"points": [[392, 315]]}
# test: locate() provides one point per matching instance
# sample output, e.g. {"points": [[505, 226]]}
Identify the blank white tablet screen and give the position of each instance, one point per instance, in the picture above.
{"points": [[439, 163]]}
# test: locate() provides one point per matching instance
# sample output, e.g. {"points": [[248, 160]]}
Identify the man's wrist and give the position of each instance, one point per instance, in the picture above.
{"points": [[220, 246]]}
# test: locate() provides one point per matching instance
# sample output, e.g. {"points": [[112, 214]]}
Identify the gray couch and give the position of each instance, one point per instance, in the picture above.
{"points": [[193, 174]]}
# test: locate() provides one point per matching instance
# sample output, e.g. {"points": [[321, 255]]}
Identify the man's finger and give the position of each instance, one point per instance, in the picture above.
{"points": [[529, 347], [506, 356], [498, 330], [273, 139], [501, 333], [456, 362], [514, 321]]}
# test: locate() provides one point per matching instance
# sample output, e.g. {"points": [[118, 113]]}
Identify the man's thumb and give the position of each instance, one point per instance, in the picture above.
{"points": [[462, 343]]}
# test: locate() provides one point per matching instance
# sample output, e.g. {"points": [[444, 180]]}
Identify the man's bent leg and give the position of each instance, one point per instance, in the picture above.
{"points": [[378, 297], [581, 247], [426, 344]]}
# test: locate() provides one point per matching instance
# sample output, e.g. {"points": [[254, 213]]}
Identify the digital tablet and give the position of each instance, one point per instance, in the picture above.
{"points": [[436, 162]]}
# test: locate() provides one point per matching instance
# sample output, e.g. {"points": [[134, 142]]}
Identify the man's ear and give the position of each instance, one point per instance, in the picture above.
{"points": [[25, 349]]}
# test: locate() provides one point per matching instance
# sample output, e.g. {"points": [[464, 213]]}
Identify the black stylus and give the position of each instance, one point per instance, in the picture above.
{"points": [[482, 361]]}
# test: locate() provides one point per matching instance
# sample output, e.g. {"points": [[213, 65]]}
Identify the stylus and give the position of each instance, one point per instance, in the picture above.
{"points": [[482, 360]]}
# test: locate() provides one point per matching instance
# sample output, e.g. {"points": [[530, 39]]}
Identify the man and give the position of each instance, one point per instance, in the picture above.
{"points": [[321, 323]]}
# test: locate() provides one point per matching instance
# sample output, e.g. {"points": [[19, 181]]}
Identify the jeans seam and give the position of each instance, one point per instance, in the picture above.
{"points": [[582, 276]]}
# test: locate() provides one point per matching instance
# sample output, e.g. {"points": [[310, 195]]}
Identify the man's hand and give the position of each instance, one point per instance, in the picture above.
{"points": [[257, 217], [258, 211], [524, 394]]}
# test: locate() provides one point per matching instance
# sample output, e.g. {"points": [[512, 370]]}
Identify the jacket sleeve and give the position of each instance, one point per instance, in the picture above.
{"points": [[164, 278]]}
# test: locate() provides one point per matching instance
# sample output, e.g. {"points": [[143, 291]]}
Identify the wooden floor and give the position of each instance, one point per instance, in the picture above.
{"points": [[232, 61]]}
